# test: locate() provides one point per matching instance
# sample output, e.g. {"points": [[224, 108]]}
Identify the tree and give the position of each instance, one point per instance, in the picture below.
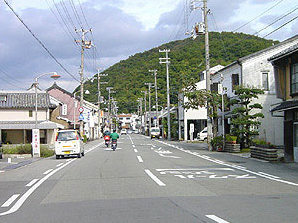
{"points": [[198, 98], [245, 117]]}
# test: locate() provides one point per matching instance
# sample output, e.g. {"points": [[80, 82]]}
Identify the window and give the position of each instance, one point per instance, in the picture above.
{"points": [[214, 88], [235, 80], [30, 113], [2, 97], [265, 84], [294, 78]]}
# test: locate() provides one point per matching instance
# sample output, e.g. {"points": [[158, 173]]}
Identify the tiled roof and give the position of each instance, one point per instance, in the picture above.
{"points": [[24, 100], [285, 52], [29, 125]]}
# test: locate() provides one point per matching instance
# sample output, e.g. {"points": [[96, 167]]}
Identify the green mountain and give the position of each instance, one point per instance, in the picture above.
{"points": [[187, 57]]}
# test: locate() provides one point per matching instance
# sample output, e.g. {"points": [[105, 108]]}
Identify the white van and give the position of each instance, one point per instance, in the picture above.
{"points": [[155, 132], [202, 135], [69, 142]]}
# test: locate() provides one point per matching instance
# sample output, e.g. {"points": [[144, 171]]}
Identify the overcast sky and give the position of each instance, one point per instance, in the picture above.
{"points": [[120, 28]]}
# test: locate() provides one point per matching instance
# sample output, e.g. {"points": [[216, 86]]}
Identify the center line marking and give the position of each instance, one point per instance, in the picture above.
{"points": [[135, 150], [10, 200], [217, 219], [60, 164], [133, 146], [32, 182], [140, 159], [48, 171], [153, 177]]}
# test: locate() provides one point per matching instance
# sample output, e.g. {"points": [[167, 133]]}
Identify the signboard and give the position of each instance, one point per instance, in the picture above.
{"points": [[220, 89], [64, 109], [192, 127], [35, 143], [81, 109]]}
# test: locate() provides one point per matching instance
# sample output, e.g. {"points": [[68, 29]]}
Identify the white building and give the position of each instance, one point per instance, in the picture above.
{"points": [[198, 117], [255, 70]]}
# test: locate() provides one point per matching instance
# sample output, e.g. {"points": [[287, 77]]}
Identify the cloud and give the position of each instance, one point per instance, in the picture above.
{"points": [[119, 30]]}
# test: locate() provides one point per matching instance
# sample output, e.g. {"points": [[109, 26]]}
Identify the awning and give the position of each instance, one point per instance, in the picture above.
{"points": [[286, 105], [30, 125]]}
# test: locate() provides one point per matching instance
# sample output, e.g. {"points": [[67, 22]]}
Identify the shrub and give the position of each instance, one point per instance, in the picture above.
{"points": [[216, 142], [230, 138], [262, 143], [85, 138], [19, 149], [46, 152]]}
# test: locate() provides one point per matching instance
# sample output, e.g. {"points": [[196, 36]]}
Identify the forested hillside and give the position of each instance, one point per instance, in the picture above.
{"points": [[128, 77]]}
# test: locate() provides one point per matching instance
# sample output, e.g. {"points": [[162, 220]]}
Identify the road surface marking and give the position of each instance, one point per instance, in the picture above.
{"points": [[140, 159], [153, 177], [21, 201], [32, 182], [135, 150], [235, 167], [10, 200], [175, 157], [60, 164], [133, 146], [269, 175], [2, 171], [45, 173], [217, 219]]}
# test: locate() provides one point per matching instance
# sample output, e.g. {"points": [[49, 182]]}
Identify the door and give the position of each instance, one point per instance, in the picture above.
{"points": [[295, 138]]}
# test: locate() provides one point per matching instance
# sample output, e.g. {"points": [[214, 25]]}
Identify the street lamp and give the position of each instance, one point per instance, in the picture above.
{"points": [[149, 89], [35, 132]]}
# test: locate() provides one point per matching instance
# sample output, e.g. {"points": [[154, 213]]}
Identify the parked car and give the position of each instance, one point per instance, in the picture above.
{"points": [[136, 131], [123, 132], [129, 131], [202, 135], [69, 142], [155, 132]]}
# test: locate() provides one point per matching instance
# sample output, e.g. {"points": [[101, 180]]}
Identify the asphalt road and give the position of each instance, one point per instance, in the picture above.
{"points": [[148, 180]]}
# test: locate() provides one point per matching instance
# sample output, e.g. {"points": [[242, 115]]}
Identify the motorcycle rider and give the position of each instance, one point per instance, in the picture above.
{"points": [[114, 136]]}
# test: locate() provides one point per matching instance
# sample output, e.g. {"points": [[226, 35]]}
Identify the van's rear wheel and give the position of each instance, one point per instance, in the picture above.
{"points": [[79, 155], [57, 157], [83, 153]]}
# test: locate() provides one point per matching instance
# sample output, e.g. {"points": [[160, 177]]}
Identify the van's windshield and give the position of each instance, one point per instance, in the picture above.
{"points": [[66, 136], [154, 130]]}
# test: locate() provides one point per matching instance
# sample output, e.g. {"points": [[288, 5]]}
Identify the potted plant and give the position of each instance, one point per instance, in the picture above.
{"points": [[217, 143], [231, 139]]}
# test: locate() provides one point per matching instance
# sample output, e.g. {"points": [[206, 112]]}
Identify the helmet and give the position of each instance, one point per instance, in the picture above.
{"points": [[114, 130]]}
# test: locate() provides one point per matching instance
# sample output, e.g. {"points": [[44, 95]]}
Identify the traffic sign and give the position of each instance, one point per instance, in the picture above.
{"points": [[81, 109], [81, 117]]}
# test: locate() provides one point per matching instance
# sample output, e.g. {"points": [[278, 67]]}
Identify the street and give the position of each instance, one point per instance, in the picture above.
{"points": [[148, 180]]}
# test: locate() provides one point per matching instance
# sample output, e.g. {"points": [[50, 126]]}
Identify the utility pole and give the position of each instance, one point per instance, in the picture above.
{"points": [[149, 90], [145, 115], [109, 105], [208, 82], [166, 60], [99, 95], [156, 99], [84, 45]]}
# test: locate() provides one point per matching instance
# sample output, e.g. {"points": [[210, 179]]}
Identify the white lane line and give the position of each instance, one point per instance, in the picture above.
{"points": [[45, 173], [140, 159], [235, 167], [2, 171], [20, 202], [60, 164], [153, 177], [217, 219], [133, 146], [10, 200], [31, 182], [135, 150], [269, 175]]}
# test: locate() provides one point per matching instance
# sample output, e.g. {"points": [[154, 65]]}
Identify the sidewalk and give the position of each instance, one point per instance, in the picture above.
{"points": [[204, 147], [16, 162]]}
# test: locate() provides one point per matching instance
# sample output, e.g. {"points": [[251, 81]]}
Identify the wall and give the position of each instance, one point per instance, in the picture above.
{"points": [[22, 115]]}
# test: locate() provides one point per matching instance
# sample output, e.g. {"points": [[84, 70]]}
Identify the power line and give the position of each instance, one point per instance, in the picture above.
{"points": [[258, 16], [35, 37], [291, 20], [9, 83]]}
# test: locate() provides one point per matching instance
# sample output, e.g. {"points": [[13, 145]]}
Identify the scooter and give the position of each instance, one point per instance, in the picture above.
{"points": [[107, 140], [114, 145]]}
